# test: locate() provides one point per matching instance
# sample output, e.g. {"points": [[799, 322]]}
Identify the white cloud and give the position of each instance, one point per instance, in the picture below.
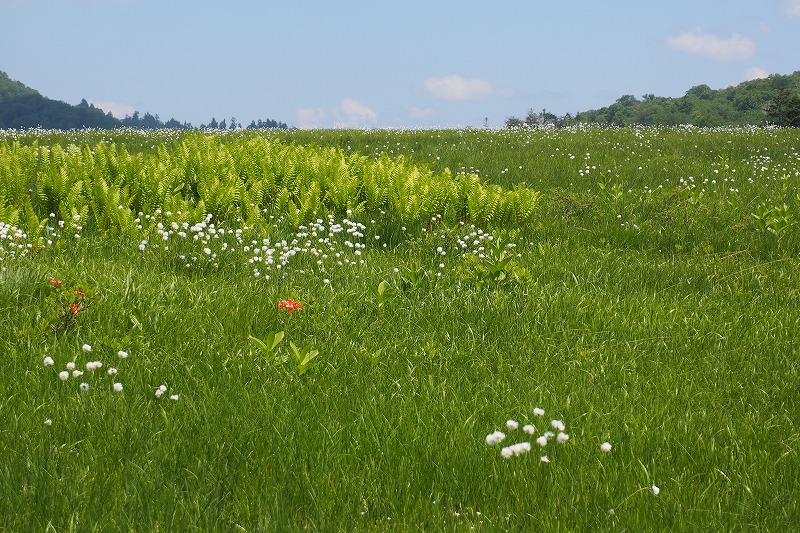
{"points": [[118, 110], [354, 114], [349, 114], [791, 7], [308, 118], [712, 46], [455, 87], [755, 73]]}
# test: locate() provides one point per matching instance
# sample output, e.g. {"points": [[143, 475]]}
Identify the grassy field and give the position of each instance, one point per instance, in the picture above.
{"points": [[651, 302]]}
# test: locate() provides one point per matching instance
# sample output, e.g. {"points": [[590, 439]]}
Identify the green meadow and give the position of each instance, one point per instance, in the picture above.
{"points": [[582, 329]]}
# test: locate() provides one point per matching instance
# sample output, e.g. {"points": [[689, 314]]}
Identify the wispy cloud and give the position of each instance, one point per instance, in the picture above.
{"points": [[349, 114], [354, 114], [712, 46], [755, 73], [791, 7], [118, 110], [455, 87], [308, 118]]}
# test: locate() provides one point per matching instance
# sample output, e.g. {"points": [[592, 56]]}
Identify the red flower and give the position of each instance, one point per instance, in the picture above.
{"points": [[75, 308], [290, 305], [80, 293], [54, 281]]}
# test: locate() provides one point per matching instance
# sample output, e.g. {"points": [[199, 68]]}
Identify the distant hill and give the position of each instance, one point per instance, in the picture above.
{"points": [[748, 103], [23, 107]]}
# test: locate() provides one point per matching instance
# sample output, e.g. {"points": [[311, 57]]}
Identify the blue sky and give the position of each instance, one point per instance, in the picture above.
{"points": [[413, 63]]}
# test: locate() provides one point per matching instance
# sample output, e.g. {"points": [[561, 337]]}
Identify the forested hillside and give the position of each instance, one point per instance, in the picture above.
{"points": [[771, 100]]}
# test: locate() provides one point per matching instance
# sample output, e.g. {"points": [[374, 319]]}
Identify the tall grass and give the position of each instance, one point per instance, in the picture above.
{"points": [[673, 340]]}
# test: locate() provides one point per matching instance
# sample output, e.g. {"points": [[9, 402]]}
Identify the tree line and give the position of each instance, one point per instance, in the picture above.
{"points": [[22, 107], [774, 100]]}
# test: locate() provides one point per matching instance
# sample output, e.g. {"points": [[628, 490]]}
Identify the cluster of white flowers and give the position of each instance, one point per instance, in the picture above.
{"points": [[71, 369], [162, 389], [525, 446]]}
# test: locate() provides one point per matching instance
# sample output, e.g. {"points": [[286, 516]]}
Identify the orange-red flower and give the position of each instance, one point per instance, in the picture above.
{"points": [[290, 305], [80, 293], [54, 281], [75, 308]]}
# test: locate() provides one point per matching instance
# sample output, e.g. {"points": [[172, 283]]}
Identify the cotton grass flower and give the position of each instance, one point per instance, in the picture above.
{"points": [[562, 438], [48, 361], [515, 449], [117, 387], [529, 429], [71, 365], [76, 373], [112, 371], [538, 411], [86, 347], [63, 375], [605, 447], [495, 438], [655, 490], [174, 397], [512, 425], [557, 425], [84, 386], [122, 354], [160, 391], [48, 422], [544, 459], [542, 441]]}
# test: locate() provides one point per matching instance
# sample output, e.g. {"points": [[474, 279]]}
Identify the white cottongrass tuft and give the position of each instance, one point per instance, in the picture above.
{"points": [[112, 371], [93, 365], [495, 438], [558, 425], [512, 425], [71, 365], [562, 437], [529, 429], [538, 411], [63, 375], [542, 441], [174, 397], [160, 391], [76, 373], [86, 347], [655, 490], [605, 447], [48, 361], [84, 386], [122, 354], [117, 387], [48, 422], [515, 449], [544, 459]]}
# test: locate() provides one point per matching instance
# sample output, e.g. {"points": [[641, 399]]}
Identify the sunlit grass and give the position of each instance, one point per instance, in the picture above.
{"points": [[674, 342]]}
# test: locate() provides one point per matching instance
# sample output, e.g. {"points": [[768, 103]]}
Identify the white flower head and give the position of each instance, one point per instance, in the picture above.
{"points": [[655, 490], [122, 354], [557, 425], [512, 425], [71, 365], [605, 447], [63, 375], [495, 438], [117, 387], [48, 361], [562, 437], [529, 429], [48, 422], [544, 459], [76, 373], [542, 441], [112, 371], [84, 386], [538, 411], [86, 347], [174, 397]]}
